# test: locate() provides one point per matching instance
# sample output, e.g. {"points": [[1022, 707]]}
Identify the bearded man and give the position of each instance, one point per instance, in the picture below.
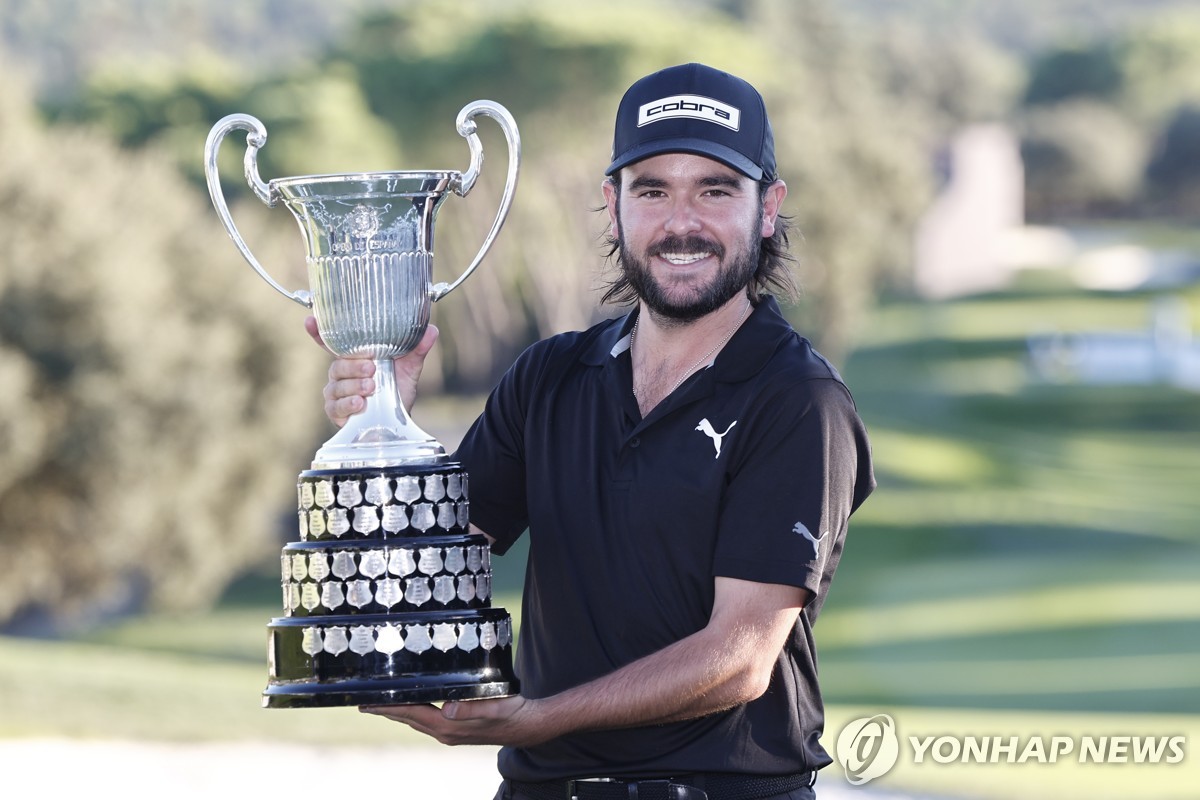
{"points": [[685, 474]]}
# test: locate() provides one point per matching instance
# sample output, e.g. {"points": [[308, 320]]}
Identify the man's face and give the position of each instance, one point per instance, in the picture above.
{"points": [[690, 230]]}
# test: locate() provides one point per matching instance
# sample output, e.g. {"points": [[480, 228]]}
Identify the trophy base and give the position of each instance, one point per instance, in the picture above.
{"points": [[387, 595], [390, 659], [373, 693]]}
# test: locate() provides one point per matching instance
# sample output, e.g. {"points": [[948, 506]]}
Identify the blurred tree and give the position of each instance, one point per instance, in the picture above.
{"points": [[1174, 170], [951, 78], [62, 42], [1081, 157], [854, 158], [1076, 72], [560, 77], [560, 68], [1092, 108], [1160, 66], [317, 118], [158, 404], [124, 307]]}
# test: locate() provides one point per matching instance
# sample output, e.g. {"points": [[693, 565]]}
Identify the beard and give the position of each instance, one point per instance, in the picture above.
{"points": [[733, 276]]}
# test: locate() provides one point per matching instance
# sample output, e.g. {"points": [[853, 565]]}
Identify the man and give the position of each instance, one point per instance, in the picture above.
{"points": [[685, 474]]}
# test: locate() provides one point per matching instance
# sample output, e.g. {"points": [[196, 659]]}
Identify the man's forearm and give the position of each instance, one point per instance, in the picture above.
{"points": [[724, 665], [727, 663]]}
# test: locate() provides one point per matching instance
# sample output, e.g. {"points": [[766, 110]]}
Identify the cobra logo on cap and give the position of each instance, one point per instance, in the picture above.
{"points": [[690, 105]]}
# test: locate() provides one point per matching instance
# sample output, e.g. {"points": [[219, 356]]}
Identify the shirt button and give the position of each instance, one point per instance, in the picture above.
{"points": [[634, 442]]}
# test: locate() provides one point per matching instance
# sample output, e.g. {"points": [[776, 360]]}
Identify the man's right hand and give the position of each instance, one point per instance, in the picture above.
{"points": [[352, 381]]}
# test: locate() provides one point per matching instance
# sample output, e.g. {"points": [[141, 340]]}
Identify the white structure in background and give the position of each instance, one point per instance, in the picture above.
{"points": [[973, 237], [963, 241], [1166, 352], [1117, 266]]}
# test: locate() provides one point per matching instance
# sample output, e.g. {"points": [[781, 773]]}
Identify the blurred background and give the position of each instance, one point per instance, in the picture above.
{"points": [[998, 206]]}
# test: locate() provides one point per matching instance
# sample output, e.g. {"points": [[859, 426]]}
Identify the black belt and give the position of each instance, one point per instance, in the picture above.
{"points": [[715, 785]]}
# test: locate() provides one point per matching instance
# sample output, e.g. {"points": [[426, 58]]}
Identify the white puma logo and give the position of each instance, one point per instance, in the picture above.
{"points": [[707, 429], [803, 530]]}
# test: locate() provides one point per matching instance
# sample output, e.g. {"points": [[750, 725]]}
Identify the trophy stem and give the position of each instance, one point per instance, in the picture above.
{"points": [[382, 435]]}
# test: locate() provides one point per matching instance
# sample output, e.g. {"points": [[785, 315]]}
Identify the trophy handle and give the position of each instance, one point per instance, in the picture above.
{"points": [[464, 183], [256, 137]]}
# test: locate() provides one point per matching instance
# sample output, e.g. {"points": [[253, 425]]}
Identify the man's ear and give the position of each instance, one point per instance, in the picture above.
{"points": [[610, 202], [772, 204]]}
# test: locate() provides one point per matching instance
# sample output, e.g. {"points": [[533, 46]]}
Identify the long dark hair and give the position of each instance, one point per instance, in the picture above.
{"points": [[774, 274]]}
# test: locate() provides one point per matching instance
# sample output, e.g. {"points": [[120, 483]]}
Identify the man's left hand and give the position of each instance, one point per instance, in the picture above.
{"points": [[510, 721]]}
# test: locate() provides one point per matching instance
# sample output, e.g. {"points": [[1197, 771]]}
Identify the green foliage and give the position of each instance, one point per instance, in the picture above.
{"points": [[204, 470], [946, 79], [1080, 157], [150, 417], [1160, 63], [1092, 109], [359, 85], [1073, 73], [1174, 172]]}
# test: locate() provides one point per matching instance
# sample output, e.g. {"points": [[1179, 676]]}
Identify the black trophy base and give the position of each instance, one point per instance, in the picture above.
{"points": [[389, 659], [387, 595], [407, 691]]}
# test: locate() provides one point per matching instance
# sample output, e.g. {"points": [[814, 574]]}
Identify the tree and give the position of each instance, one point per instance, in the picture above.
{"points": [[855, 160], [1174, 171], [1076, 72], [1080, 157], [158, 402]]}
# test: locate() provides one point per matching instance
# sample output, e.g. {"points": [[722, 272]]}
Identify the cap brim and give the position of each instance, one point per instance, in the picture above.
{"points": [[699, 147]]}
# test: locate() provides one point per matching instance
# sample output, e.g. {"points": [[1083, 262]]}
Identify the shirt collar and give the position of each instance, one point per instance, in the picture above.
{"points": [[744, 355]]}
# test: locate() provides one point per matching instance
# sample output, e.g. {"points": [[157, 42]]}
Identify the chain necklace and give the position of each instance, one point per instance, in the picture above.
{"points": [[703, 359]]}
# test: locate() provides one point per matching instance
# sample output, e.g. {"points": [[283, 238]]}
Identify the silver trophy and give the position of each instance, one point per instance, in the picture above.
{"points": [[370, 270], [387, 594]]}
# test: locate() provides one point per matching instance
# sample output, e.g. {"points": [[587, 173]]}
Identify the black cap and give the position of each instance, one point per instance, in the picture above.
{"points": [[695, 109]]}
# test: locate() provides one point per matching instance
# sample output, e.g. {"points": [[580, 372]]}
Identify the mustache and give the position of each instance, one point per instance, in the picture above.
{"points": [[686, 244]]}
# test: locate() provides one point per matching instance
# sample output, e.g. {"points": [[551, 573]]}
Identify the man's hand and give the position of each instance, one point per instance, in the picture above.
{"points": [[514, 721], [352, 381]]}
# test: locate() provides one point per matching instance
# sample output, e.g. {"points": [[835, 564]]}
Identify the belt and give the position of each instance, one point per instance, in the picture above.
{"points": [[702, 786]]}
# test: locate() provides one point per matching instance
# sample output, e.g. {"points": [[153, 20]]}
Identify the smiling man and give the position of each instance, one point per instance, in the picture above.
{"points": [[666, 645]]}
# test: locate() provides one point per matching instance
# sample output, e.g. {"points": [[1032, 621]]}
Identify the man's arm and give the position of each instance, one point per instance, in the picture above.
{"points": [[725, 664]]}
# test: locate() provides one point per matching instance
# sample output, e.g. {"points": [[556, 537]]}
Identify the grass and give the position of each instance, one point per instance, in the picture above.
{"points": [[171, 678], [1030, 566], [1031, 546]]}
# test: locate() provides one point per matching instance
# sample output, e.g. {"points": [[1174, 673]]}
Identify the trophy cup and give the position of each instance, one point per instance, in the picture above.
{"points": [[387, 593]]}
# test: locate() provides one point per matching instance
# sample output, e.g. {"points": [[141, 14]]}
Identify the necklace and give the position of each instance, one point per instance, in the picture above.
{"points": [[703, 359]]}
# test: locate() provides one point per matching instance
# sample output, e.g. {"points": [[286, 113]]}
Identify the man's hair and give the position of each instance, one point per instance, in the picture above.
{"points": [[773, 275]]}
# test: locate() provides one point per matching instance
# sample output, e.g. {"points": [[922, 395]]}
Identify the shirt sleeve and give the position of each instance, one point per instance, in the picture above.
{"points": [[793, 483], [493, 453]]}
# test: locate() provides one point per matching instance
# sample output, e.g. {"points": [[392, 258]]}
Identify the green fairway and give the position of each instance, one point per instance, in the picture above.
{"points": [[1031, 546]]}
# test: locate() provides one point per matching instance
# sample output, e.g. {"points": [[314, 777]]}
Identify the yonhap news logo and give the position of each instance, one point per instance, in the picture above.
{"points": [[869, 747]]}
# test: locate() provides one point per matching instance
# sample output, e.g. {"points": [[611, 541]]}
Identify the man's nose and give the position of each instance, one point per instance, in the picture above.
{"points": [[683, 218]]}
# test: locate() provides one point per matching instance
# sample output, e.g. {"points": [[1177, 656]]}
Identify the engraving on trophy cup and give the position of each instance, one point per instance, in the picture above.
{"points": [[386, 595]]}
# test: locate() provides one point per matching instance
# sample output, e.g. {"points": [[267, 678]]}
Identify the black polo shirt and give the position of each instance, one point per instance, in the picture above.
{"points": [[748, 470]]}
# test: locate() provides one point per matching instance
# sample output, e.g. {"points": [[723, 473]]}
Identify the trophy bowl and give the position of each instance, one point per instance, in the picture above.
{"points": [[369, 238]]}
